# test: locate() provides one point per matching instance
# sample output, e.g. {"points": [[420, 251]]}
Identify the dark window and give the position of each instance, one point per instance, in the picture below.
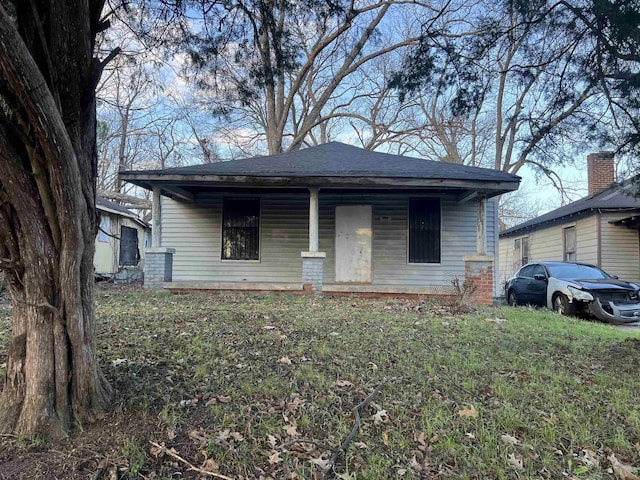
{"points": [[424, 230], [241, 229], [129, 253]]}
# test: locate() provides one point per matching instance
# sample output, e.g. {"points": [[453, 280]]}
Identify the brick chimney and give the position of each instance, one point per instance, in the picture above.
{"points": [[600, 171]]}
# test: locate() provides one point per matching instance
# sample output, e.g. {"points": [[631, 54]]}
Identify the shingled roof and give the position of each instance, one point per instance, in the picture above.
{"points": [[330, 165], [617, 197], [335, 159], [104, 204]]}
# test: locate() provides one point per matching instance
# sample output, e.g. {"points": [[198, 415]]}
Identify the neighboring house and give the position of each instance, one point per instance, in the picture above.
{"points": [[120, 242], [600, 229], [331, 218]]}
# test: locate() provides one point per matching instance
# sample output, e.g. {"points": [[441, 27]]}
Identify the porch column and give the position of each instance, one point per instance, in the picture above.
{"points": [[313, 219], [158, 264], [478, 268], [481, 248], [156, 212], [313, 260]]}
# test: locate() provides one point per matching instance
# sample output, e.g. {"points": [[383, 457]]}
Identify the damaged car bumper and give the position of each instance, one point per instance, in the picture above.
{"points": [[611, 312]]}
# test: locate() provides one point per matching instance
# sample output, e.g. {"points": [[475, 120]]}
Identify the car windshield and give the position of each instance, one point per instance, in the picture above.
{"points": [[572, 271]]}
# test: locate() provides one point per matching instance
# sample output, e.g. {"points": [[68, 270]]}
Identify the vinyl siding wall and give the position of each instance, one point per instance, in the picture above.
{"points": [[107, 255], [194, 230], [620, 252]]}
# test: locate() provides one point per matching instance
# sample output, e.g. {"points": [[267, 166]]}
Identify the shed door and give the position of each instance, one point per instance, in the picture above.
{"points": [[129, 254], [353, 243]]}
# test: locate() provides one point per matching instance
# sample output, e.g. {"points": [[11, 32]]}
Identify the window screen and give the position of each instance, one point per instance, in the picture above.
{"points": [[570, 244], [525, 251], [424, 230], [241, 229]]}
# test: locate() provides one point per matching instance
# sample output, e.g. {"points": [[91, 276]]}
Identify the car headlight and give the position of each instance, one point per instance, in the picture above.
{"points": [[581, 295]]}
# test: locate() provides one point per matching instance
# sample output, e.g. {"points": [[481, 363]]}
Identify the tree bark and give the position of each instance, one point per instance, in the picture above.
{"points": [[48, 220]]}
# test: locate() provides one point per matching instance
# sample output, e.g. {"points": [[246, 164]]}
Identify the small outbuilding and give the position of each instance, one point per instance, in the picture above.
{"points": [[331, 218], [120, 243]]}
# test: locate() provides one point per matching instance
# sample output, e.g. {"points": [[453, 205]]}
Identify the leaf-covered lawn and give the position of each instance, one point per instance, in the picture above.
{"points": [[265, 387]]}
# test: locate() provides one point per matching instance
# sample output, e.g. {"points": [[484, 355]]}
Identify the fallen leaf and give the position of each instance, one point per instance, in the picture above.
{"points": [[224, 398], [119, 361], [274, 457], [343, 383], [621, 470], [292, 430], [210, 465], [269, 327], [401, 472], [361, 445], [468, 412], [497, 321], [589, 457], [509, 440], [284, 361], [323, 463], [470, 435], [380, 416], [516, 462], [198, 436], [272, 441], [156, 451], [415, 464]]}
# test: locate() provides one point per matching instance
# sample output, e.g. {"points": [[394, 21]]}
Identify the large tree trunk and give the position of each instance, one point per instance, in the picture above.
{"points": [[47, 214]]}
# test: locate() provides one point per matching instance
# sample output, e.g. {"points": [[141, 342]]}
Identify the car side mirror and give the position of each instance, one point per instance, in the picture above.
{"points": [[615, 276], [540, 276]]}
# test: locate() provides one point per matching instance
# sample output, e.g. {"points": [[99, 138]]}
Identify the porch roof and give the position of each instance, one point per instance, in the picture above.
{"points": [[331, 165]]}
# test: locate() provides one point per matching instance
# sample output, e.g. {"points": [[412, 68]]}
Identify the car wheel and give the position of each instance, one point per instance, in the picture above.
{"points": [[562, 305], [512, 300]]}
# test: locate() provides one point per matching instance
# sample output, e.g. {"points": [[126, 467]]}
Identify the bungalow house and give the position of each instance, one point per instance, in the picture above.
{"points": [[331, 218], [120, 242], [600, 229]]}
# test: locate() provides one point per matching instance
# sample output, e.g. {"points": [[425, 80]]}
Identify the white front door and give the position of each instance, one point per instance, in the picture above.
{"points": [[353, 243]]}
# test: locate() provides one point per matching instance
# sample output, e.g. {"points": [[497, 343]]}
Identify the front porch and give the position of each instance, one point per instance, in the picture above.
{"points": [[299, 288]]}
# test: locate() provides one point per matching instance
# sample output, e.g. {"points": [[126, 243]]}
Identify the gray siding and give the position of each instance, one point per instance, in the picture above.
{"points": [[194, 230]]}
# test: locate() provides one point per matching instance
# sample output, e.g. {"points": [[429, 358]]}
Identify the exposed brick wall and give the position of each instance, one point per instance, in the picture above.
{"points": [[481, 274], [600, 171]]}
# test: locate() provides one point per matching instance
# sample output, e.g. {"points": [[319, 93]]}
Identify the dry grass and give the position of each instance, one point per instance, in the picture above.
{"points": [[264, 387]]}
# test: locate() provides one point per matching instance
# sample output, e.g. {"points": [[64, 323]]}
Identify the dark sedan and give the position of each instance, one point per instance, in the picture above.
{"points": [[575, 288]]}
